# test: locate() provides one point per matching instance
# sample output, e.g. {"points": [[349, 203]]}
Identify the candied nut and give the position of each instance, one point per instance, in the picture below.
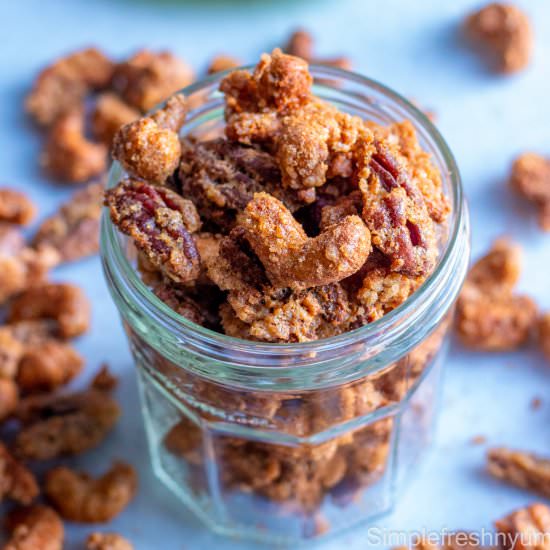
{"points": [[62, 86], [221, 177], [396, 214], [44, 368], [489, 316], [290, 257], [11, 239], [531, 178], [68, 154], [34, 528], [148, 78], [300, 44], [17, 482], [160, 222], [110, 113], [223, 63], [73, 232], [64, 425], [11, 351], [15, 207], [107, 541], [504, 32], [526, 528], [65, 303], [149, 148], [79, 497], [104, 379], [544, 334], [339, 62], [9, 397], [180, 302], [526, 470]]}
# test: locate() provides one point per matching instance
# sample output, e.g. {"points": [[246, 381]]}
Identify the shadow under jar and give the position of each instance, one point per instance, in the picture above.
{"points": [[286, 442]]}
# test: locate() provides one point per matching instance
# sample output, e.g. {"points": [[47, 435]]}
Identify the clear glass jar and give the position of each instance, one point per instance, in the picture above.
{"points": [[284, 442]]}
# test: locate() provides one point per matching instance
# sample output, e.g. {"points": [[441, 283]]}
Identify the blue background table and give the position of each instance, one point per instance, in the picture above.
{"points": [[414, 47]]}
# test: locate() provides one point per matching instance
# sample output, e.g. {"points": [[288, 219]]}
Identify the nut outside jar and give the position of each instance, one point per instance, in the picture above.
{"points": [[285, 442]]}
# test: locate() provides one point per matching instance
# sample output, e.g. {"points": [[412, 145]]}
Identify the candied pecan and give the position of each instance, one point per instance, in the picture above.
{"points": [[63, 302], [223, 63], [300, 44], [221, 177], [107, 541], [148, 78], [68, 155], [396, 214], [160, 222], [293, 259], [149, 147], [16, 481], [424, 174], [15, 207], [62, 86], [544, 334], [79, 497], [525, 470], [104, 379], [35, 528], [504, 32], [110, 113], [73, 232], [531, 178], [44, 368], [489, 316], [64, 425], [526, 528]]}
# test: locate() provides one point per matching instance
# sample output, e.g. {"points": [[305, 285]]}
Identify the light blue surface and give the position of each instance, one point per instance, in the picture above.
{"points": [[412, 46]]}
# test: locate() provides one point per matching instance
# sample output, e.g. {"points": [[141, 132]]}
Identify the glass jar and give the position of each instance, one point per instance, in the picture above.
{"points": [[284, 442]]}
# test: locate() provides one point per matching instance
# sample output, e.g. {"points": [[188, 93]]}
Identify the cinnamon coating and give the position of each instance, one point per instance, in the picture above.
{"points": [[149, 148], [37, 527], [293, 259], [160, 221], [79, 497]]}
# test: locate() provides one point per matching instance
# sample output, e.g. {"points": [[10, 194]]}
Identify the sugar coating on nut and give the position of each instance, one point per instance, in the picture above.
{"points": [[17, 482], [79, 497], [64, 303], [107, 541], [149, 148], [161, 222], [525, 470], [33, 528], [68, 154], [504, 32], [73, 231], [530, 178]]}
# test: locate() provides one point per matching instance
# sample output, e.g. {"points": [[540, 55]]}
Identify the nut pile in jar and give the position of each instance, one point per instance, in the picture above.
{"points": [[301, 223]]}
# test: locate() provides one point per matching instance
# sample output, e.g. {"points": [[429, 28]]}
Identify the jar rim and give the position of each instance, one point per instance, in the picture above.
{"points": [[112, 250]]}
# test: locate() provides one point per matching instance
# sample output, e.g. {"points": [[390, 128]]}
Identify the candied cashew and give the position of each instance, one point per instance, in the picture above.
{"points": [[293, 259], [35, 528], [148, 78], [160, 222], [73, 232], [65, 303], [149, 148], [45, 367], [63, 85], [15, 207], [526, 528], [530, 177], [79, 497], [17, 482], [64, 425], [68, 155], [504, 32], [525, 470], [107, 541], [110, 113]]}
